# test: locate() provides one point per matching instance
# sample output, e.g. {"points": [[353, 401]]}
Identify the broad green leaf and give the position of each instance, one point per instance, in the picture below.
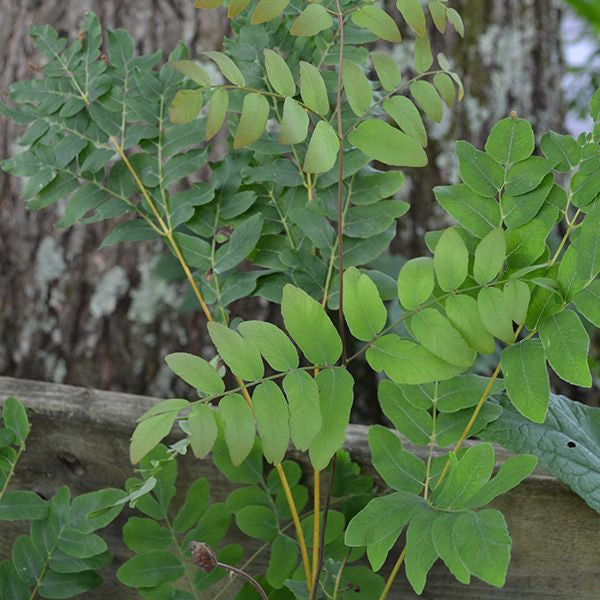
{"points": [[272, 418], [196, 372], [483, 544], [242, 241], [450, 260], [516, 297], [519, 210], [477, 214], [249, 471], [314, 224], [423, 55], [489, 257], [149, 433], [253, 120], [238, 423], [364, 310], [67, 585], [322, 149], [284, 557], [357, 87], [236, 7], [400, 469], [273, 344], [380, 523], [527, 243], [387, 70], [310, 327], [304, 406], [380, 141], [420, 551], [413, 14], [413, 423], [456, 21], [217, 111], [566, 444], [587, 302], [584, 187], [27, 560], [294, 124], [196, 503], [466, 477], [227, 67], [428, 98], [444, 544], [463, 313], [267, 10], [378, 22], [14, 416], [479, 170], [278, 73], [567, 345], [21, 505], [527, 175], [81, 545], [203, 430], [569, 282], [419, 396], [185, 106], [406, 362], [511, 140], [193, 71], [336, 396], [150, 569], [588, 259], [509, 476], [142, 535], [494, 314], [434, 331], [415, 282], [407, 117], [241, 355], [438, 14], [335, 527], [463, 392], [562, 149], [444, 85], [526, 378], [311, 21], [369, 221]]}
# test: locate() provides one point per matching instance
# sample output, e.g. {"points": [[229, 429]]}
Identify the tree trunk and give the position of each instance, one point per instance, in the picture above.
{"points": [[71, 313], [509, 60]]}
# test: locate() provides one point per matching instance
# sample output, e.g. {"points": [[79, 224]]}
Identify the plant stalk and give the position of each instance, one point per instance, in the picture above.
{"points": [[168, 233]]}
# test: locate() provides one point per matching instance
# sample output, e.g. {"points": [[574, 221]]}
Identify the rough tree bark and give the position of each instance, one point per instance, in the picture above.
{"points": [[70, 313]]}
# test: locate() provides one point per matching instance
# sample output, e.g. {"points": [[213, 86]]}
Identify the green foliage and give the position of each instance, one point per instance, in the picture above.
{"points": [[274, 188], [61, 554], [564, 443], [293, 201]]}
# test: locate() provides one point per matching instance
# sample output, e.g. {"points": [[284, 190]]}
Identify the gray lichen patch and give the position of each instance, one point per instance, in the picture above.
{"points": [[49, 263], [152, 294], [112, 286]]}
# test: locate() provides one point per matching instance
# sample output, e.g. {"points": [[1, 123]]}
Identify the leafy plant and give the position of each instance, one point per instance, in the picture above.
{"points": [[60, 556], [290, 214]]}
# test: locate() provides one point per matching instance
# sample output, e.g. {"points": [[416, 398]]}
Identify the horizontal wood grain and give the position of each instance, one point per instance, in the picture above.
{"points": [[555, 534]]}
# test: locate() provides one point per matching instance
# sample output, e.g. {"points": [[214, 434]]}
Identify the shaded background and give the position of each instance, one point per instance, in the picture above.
{"points": [[70, 313]]}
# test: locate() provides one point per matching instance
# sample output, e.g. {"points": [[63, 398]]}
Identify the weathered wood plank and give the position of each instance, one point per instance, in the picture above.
{"points": [[555, 534]]}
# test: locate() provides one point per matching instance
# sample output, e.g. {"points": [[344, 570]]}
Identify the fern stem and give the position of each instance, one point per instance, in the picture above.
{"points": [[392, 576], [296, 520], [168, 233]]}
